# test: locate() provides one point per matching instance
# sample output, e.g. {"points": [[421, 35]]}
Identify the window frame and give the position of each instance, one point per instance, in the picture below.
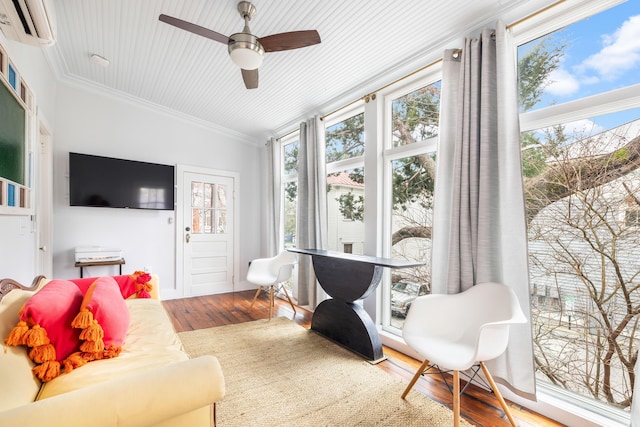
{"points": [[345, 164], [553, 400], [429, 76]]}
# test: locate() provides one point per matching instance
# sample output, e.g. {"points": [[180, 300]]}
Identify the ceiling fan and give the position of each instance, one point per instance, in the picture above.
{"points": [[246, 50]]}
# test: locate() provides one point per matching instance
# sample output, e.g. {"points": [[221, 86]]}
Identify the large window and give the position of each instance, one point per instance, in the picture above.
{"points": [[344, 137], [412, 120], [582, 187], [580, 121], [290, 188]]}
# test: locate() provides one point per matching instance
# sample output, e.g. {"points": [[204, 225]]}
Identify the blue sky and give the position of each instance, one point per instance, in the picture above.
{"points": [[602, 53]]}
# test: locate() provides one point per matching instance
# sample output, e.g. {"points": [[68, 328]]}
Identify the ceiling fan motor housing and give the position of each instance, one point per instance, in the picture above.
{"points": [[245, 51]]}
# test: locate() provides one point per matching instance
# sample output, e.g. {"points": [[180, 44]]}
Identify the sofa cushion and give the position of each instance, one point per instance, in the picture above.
{"points": [[150, 342], [45, 326], [104, 320], [15, 365]]}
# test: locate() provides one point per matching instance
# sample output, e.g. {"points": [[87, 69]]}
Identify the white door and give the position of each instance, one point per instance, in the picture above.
{"points": [[44, 204], [207, 233]]}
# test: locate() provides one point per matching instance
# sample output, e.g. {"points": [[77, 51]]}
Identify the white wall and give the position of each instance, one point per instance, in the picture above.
{"points": [[99, 123], [18, 240], [87, 121]]}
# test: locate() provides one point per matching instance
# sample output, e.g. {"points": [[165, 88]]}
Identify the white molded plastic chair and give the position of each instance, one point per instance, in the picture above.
{"points": [[458, 331], [272, 272]]}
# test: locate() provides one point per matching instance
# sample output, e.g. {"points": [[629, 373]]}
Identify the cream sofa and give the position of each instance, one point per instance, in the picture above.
{"points": [[151, 383]]}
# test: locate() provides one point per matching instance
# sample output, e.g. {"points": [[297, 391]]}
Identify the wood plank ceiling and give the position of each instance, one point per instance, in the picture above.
{"points": [[364, 43]]}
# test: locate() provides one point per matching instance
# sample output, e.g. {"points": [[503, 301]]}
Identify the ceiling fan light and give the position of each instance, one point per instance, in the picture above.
{"points": [[245, 51]]}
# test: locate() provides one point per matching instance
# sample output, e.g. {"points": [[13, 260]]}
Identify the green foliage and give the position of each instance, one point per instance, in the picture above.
{"points": [[291, 191], [345, 139], [534, 161], [416, 115], [621, 155], [291, 157], [351, 207], [411, 183], [534, 68]]}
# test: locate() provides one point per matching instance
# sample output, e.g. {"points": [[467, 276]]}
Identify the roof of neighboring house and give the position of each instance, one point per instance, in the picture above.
{"points": [[343, 178]]}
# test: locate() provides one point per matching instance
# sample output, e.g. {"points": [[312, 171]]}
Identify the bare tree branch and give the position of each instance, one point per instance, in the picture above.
{"points": [[562, 179]]}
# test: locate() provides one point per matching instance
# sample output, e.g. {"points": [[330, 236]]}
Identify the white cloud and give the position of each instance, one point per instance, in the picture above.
{"points": [[582, 129], [621, 51], [562, 83]]}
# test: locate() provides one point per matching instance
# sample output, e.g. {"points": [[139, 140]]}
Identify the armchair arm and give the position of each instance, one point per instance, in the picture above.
{"points": [[143, 399]]}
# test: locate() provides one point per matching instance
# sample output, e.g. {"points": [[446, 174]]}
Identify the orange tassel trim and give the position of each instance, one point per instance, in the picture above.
{"points": [[36, 336], [143, 287], [112, 351], [47, 370], [92, 346], [74, 360], [43, 353], [92, 332], [82, 319], [17, 334]]}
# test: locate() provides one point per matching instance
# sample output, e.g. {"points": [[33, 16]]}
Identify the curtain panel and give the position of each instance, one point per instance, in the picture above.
{"points": [[311, 230], [479, 232]]}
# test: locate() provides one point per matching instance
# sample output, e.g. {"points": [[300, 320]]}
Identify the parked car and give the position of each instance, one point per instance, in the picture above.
{"points": [[403, 294]]}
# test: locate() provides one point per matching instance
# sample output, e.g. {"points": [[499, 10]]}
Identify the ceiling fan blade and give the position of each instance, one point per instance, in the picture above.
{"points": [[193, 28], [290, 40], [250, 78]]}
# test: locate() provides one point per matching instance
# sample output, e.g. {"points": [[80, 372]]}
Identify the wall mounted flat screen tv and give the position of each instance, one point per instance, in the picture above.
{"points": [[117, 183]]}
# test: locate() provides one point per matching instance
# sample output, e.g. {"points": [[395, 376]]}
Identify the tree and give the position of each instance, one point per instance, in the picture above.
{"points": [[584, 251]]}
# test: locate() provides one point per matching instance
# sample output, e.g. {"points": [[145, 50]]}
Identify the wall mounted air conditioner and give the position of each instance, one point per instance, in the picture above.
{"points": [[28, 21]]}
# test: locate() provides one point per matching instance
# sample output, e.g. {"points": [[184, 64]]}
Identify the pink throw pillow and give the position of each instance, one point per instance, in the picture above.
{"points": [[104, 320], [45, 327]]}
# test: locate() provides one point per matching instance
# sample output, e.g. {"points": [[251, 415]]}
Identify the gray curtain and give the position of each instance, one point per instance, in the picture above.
{"points": [[274, 197], [479, 231], [311, 230]]}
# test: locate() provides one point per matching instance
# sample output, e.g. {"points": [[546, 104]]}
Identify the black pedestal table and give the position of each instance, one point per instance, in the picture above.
{"points": [[349, 278]]}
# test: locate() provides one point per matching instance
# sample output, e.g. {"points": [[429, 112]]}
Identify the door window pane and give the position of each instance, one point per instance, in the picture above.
{"points": [[208, 195], [221, 222], [197, 193], [221, 202], [209, 204], [197, 221]]}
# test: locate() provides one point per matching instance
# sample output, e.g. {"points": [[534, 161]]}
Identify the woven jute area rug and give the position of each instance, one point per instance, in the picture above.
{"points": [[278, 373]]}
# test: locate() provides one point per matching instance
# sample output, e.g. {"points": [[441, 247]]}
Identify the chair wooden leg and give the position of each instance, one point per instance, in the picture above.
{"points": [[456, 398], [419, 372], [255, 297], [498, 394], [214, 414], [284, 288], [271, 302]]}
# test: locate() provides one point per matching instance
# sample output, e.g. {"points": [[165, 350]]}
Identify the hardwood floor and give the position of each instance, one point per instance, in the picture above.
{"points": [[478, 406]]}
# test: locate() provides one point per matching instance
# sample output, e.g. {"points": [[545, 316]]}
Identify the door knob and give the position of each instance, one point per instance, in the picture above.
{"points": [[43, 248], [187, 237]]}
